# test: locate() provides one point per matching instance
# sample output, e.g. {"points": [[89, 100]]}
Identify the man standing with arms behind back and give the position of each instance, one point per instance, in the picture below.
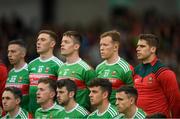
{"points": [[19, 75], [46, 65], [156, 84], [114, 68], [75, 68]]}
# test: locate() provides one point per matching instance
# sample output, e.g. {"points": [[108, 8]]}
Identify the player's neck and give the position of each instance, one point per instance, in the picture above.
{"points": [[46, 56], [103, 107], [113, 59], [19, 65], [47, 105], [149, 59], [131, 112], [14, 112], [72, 58], [71, 104]]}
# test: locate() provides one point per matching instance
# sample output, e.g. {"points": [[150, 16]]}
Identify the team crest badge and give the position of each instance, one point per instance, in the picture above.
{"points": [[47, 69], [113, 73], [20, 79], [150, 79], [73, 73]]}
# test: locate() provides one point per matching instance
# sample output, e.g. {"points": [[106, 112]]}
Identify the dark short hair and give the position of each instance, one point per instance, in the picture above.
{"points": [[19, 42], [52, 34], [15, 91], [68, 83], [51, 82], [105, 85], [129, 90], [77, 36], [151, 39], [114, 34]]}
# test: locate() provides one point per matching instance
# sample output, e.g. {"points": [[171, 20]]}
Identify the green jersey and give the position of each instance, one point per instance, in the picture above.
{"points": [[22, 114], [39, 68], [77, 112], [118, 73], [20, 79], [140, 114], [81, 73], [109, 113], [50, 113]]}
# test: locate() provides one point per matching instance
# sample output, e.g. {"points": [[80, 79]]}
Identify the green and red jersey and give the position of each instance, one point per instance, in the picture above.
{"points": [[157, 89], [22, 114], [139, 114], [39, 68], [118, 73], [20, 79], [50, 113], [81, 73], [78, 112], [109, 113]]}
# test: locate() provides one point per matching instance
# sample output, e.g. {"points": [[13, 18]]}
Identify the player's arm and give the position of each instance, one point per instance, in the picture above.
{"points": [[170, 88]]}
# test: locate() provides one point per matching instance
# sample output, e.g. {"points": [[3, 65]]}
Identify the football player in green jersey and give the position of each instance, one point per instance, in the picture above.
{"points": [[75, 68], [114, 68], [11, 100], [46, 96], [100, 90], [46, 65], [19, 75], [126, 97], [66, 91]]}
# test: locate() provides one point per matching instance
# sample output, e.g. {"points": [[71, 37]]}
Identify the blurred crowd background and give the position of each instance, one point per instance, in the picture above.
{"points": [[22, 19]]}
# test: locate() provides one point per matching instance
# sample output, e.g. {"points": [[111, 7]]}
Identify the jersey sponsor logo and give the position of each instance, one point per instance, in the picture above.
{"points": [[80, 83], [35, 77], [24, 87], [116, 83]]}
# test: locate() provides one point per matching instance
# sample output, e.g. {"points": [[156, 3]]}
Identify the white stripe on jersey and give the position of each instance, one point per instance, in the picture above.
{"points": [[112, 112], [82, 110], [100, 64], [84, 65], [59, 62], [124, 65]]}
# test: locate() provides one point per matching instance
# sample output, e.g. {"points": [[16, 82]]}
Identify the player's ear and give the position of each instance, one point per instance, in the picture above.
{"points": [[76, 46], [116, 46], [71, 94], [52, 94], [153, 49], [53, 43], [18, 101], [132, 99], [105, 94]]}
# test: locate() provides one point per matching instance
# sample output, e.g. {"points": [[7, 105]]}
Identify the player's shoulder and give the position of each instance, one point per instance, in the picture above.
{"points": [[101, 64], [124, 65], [84, 64], [34, 60]]}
